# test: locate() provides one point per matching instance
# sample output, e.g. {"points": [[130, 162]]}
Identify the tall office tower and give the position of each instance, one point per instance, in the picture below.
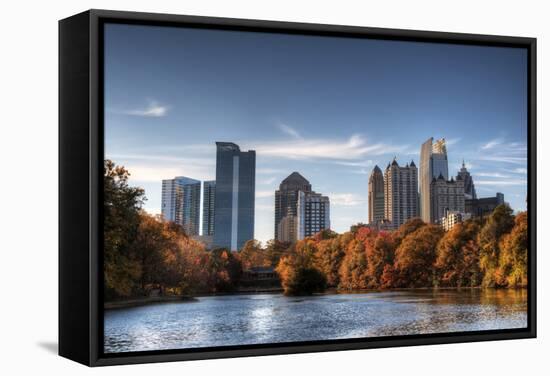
{"points": [[209, 195], [234, 198], [286, 206], [481, 207], [313, 214], [433, 162], [447, 196], [469, 188], [400, 193], [376, 196], [181, 198]]}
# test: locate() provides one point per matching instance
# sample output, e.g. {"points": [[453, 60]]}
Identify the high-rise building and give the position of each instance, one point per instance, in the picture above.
{"points": [[376, 196], [180, 203], [313, 214], [452, 218], [299, 212], [208, 200], [469, 188], [433, 162], [234, 198], [446, 196], [481, 207], [286, 206], [400, 193]]}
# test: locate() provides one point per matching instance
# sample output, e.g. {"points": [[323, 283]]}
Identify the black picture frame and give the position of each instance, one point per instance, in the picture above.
{"points": [[80, 186]]}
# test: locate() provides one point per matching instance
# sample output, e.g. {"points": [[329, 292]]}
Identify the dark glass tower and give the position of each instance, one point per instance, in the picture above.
{"points": [[209, 195], [234, 198]]}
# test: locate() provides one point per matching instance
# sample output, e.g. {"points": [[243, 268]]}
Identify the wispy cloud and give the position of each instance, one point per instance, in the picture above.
{"points": [[265, 194], [492, 175], [289, 131], [504, 159], [491, 144], [452, 141], [346, 199], [519, 171], [356, 147], [268, 181], [501, 182], [154, 168], [153, 109], [270, 171], [366, 163]]}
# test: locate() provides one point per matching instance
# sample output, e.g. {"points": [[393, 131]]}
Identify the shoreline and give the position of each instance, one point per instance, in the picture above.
{"points": [[138, 302], [143, 301]]}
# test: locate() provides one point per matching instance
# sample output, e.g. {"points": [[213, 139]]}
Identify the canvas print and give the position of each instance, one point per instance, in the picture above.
{"points": [[272, 188]]}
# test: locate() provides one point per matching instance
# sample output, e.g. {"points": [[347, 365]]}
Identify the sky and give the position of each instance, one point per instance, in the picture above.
{"points": [[330, 108]]}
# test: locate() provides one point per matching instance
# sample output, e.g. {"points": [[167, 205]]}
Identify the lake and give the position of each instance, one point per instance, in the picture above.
{"points": [[269, 318]]}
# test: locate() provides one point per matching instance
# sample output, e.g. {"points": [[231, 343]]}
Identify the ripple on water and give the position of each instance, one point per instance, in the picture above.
{"points": [[270, 318]]}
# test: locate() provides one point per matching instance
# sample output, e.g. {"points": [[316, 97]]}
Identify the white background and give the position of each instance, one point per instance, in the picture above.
{"points": [[28, 189]]}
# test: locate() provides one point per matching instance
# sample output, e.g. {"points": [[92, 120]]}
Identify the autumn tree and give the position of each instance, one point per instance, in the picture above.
{"points": [[512, 269], [406, 228], [415, 257], [224, 270], [380, 253], [457, 260], [121, 208], [353, 271], [329, 259], [500, 222], [274, 250], [298, 270], [252, 254]]}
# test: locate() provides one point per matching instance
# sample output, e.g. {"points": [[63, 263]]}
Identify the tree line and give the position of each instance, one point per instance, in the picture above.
{"points": [[143, 252]]}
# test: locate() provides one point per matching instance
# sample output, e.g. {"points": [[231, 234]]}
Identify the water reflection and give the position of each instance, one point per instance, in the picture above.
{"points": [[249, 319]]}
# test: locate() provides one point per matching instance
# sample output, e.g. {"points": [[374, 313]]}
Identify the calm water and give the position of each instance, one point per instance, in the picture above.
{"points": [[250, 319]]}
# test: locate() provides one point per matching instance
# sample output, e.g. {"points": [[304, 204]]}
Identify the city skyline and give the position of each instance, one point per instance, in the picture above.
{"points": [[328, 118]]}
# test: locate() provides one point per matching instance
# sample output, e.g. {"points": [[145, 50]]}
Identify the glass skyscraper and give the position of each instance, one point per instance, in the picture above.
{"points": [[208, 200], [181, 199], [433, 163], [234, 198]]}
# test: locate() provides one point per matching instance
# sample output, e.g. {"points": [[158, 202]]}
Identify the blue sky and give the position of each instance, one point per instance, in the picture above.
{"points": [[330, 108]]}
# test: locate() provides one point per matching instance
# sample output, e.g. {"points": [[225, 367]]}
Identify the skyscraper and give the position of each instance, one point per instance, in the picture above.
{"points": [[400, 193], [433, 162], [313, 214], [299, 211], [209, 195], [181, 198], [469, 188], [446, 196], [234, 198], [286, 206], [376, 196]]}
